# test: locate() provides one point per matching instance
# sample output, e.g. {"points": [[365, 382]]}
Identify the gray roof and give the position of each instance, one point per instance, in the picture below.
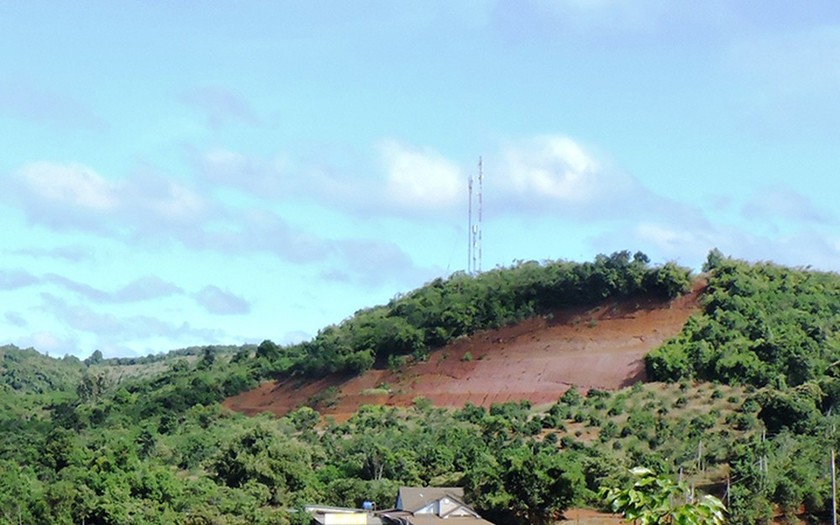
{"points": [[415, 498], [403, 518]]}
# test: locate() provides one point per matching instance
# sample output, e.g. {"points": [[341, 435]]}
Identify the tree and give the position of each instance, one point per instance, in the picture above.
{"points": [[94, 359], [525, 486], [655, 499], [268, 350], [264, 455]]}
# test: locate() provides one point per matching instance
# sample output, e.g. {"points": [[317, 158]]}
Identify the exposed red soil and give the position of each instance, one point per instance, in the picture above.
{"points": [[591, 517], [536, 360]]}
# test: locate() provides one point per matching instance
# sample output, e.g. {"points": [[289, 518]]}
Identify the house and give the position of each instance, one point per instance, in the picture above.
{"points": [[431, 506], [414, 506], [325, 515]]}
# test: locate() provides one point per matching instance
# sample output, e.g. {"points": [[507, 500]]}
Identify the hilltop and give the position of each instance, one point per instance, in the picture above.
{"points": [[535, 360]]}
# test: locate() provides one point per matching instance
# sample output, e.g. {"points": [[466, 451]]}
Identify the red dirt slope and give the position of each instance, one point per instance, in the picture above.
{"points": [[537, 360]]}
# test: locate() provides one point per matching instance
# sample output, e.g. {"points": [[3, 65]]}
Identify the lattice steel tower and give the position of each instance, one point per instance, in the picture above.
{"points": [[474, 226]]}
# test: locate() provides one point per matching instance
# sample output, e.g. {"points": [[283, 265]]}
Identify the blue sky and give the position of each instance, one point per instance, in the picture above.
{"points": [[187, 173]]}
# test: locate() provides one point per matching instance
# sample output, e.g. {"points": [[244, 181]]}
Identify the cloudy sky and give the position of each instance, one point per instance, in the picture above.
{"points": [[183, 173]]}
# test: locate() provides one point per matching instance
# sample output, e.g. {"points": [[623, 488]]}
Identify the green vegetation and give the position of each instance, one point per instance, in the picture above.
{"points": [[445, 309], [750, 394], [761, 325]]}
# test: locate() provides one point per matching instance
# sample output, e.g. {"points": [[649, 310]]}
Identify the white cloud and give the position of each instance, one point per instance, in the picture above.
{"points": [[14, 279], [141, 289], [164, 199], [221, 302], [252, 174], [554, 167], [222, 106], [32, 103], [798, 62], [555, 175], [74, 196], [69, 253], [109, 328], [784, 204], [608, 22], [689, 244], [420, 179], [50, 343], [72, 185], [790, 81], [672, 241], [374, 262], [15, 319], [402, 180]]}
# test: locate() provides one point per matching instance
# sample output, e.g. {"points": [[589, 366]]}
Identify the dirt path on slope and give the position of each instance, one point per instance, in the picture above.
{"points": [[536, 360]]}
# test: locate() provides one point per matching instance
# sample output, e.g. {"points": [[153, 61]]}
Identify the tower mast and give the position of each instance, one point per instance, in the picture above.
{"points": [[470, 228], [480, 206], [474, 224]]}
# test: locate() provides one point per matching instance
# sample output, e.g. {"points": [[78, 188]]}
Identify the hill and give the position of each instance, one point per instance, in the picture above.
{"points": [[743, 393], [535, 360]]}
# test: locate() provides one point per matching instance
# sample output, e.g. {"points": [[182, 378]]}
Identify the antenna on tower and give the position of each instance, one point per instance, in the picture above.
{"points": [[480, 206], [474, 227], [470, 229]]}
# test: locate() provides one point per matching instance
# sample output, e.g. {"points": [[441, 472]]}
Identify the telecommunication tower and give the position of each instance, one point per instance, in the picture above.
{"points": [[474, 226]]}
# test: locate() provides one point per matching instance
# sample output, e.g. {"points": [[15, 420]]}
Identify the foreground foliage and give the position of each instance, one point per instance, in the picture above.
{"points": [[654, 500]]}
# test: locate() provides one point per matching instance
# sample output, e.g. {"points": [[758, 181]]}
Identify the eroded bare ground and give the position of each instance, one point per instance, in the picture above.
{"points": [[536, 360]]}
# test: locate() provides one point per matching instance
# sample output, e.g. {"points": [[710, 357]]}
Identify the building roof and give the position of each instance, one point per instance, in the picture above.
{"points": [[327, 515], [431, 519], [414, 506], [407, 518], [413, 499]]}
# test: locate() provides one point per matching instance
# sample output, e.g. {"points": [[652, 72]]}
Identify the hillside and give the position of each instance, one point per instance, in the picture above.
{"points": [[741, 384], [535, 360]]}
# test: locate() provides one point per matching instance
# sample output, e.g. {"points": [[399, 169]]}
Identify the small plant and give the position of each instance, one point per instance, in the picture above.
{"points": [[750, 406], [571, 397], [595, 393], [467, 357], [422, 404], [608, 431], [326, 398], [396, 362]]}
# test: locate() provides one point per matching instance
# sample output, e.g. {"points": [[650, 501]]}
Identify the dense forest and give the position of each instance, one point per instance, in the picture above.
{"points": [[746, 395]]}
